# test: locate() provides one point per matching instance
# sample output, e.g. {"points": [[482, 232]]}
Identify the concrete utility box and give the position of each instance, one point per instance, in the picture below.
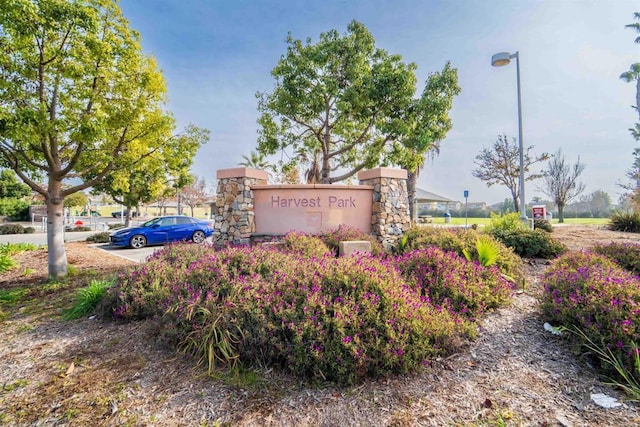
{"points": [[349, 247]]}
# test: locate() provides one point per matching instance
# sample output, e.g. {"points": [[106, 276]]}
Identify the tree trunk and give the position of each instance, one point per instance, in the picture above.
{"points": [[560, 213], [516, 202], [127, 217], [412, 178], [57, 256]]}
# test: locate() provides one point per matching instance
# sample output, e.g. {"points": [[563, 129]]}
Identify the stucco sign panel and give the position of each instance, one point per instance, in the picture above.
{"points": [[311, 208]]}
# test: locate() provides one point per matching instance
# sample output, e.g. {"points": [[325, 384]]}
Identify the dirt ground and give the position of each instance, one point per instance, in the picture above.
{"points": [[88, 372]]}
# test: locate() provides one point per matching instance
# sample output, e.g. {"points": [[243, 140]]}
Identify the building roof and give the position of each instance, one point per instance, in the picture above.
{"points": [[424, 196]]}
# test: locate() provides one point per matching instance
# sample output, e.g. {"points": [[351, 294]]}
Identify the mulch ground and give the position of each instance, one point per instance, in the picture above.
{"points": [[89, 372]]}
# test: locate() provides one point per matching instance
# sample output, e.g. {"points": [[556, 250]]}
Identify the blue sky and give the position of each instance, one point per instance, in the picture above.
{"points": [[215, 55]]}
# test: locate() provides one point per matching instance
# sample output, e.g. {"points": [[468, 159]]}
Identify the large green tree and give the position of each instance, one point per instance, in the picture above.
{"points": [[77, 97], [164, 169], [425, 125], [500, 165], [340, 101]]}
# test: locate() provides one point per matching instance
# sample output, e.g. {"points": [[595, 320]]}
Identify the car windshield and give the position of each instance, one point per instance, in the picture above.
{"points": [[151, 222]]}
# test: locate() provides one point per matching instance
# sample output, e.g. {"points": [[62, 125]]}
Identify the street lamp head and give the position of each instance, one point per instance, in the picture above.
{"points": [[501, 59]]}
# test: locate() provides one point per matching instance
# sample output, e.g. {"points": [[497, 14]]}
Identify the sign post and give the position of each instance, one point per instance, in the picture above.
{"points": [[466, 210]]}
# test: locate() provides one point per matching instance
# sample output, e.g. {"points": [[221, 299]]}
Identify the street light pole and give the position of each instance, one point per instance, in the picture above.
{"points": [[499, 60]]}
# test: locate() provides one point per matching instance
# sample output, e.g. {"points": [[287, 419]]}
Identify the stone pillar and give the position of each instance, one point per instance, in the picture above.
{"points": [[390, 210], [234, 217]]}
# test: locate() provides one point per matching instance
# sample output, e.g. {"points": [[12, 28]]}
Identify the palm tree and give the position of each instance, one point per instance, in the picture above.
{"points": [[633, 75], [255, 160]]}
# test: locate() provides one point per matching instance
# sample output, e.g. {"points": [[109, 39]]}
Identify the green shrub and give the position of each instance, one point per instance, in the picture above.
{"points": [[459, 240], [115, 226], [11, 229], [78, 228], [340, 320], [626, 255], [344, 233], [449, 239], [15, 209], [454, 283], [6, 263], [99, 237], [530, 243], [590, 293], [87, 299], [625, 221], [542, 224], [305, 245], [506, 222], [29, 230], [16, 248]]}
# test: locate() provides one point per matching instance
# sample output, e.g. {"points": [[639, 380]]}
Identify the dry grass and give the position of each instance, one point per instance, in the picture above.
{"points": [[108, 374]]}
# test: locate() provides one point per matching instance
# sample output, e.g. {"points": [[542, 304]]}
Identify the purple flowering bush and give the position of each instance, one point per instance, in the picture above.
{"points": [[333, 238], [323, 318], [591, 293], [626, 255], [458, 240], [453, 283]]}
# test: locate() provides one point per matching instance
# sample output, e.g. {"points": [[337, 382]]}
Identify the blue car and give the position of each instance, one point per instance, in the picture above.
{"points": [[165, 229]]}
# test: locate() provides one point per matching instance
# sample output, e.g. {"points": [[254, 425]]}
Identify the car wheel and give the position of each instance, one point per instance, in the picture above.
{"points": [[198, 237], [138, 241]]}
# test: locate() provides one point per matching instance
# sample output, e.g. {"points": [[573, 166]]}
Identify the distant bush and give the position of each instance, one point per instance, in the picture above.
{"points": [[625, 221], [115, 226], [542, 224], [333, 238], [591, 293], [14, 209], [530, 243], [11, 229], [78, 228], [626, 255], [29, 230], [99, 237], [505, 223]]}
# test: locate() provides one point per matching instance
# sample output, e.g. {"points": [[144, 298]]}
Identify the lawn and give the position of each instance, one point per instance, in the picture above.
{"points": [[485, 221]]}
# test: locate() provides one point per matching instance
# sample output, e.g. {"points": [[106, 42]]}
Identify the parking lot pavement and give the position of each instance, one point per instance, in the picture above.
{"points": [[137, 255]]}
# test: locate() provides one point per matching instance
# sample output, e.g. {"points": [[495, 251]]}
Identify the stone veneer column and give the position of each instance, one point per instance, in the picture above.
{"points": [[390, 210], [234, 217]]}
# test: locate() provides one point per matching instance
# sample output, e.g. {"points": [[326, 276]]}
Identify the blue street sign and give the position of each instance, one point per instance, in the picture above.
{"points": [[466, 193]]}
